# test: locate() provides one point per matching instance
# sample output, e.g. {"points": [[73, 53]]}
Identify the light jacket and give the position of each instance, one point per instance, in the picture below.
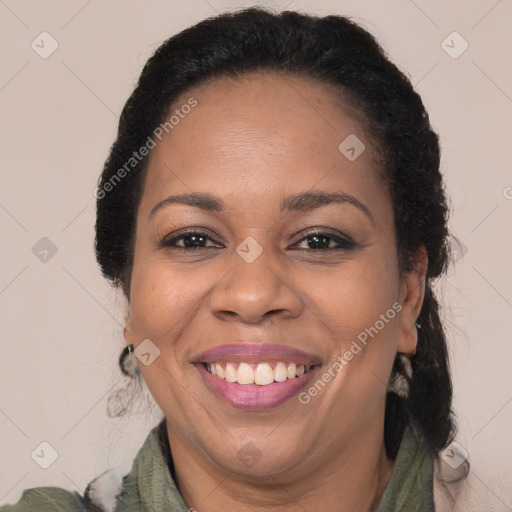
{"points": [[149, 486]]}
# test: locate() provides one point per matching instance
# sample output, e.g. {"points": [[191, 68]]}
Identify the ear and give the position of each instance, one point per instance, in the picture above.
{"points": [[412, 292], [128, 332]]}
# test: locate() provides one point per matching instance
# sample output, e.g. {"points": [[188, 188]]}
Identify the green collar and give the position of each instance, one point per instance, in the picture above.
{"points": [[410, 488], [149, 486]]}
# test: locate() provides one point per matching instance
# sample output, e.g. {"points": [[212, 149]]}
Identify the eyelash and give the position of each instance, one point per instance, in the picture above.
{"points": [[344, 243]]}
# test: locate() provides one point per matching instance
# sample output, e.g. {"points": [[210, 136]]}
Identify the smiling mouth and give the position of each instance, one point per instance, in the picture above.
{"points": [[261, 374], [256, 375]]}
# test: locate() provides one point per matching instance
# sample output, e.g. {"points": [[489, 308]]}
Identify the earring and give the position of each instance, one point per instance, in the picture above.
{"points": [[399, 383], [418, 324], [121, 399], [127, 361]]}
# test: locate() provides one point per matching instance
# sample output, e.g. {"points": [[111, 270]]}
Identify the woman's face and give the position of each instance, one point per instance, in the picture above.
{"points": [[293, 260]]}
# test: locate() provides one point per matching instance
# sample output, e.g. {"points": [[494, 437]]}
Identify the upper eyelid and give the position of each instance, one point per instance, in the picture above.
{"points": [[178, 236], [324, 231]]}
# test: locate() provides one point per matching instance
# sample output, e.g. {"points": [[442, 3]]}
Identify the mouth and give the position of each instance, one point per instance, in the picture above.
{"points": [[256, 376]]}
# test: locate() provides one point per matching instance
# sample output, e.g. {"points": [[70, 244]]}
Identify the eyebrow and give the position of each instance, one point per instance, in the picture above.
{"points": [[201, 200], [307, 201], [302, 202]]}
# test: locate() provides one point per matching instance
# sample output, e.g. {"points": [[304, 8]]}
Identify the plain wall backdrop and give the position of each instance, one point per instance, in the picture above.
{"points": [[61, 324]]}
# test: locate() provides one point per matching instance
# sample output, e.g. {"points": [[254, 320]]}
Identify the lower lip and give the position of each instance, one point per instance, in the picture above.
{"points": [[253, 396]]}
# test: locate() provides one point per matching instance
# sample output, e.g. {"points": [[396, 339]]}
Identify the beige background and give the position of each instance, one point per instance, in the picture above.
{"points": [[61, 325]]}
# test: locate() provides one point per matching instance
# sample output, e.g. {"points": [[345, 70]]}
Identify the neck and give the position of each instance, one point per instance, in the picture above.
{"points": [[351, 480]]}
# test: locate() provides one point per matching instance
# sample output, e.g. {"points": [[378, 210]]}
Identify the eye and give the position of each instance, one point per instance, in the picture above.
{"points": [[315, 241], [191, 239], [320, 240]]}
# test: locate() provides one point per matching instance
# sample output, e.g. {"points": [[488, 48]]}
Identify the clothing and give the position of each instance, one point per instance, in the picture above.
{"points": [[150, 486]]}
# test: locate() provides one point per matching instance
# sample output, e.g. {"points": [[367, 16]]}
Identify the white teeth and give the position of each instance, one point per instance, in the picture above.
{"points": [[264, 374], [230, 373], [261, 374], [245, 374], [219, 371], [292, 369], [280, 372]]}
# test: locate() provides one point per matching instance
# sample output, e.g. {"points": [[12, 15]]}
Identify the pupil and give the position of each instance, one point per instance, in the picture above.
{"points": [[187, 240], [319, 242]]}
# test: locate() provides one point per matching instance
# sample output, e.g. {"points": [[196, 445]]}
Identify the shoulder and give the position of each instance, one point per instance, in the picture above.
{"points": [[99, 496], [102, 494], [54, 499]]}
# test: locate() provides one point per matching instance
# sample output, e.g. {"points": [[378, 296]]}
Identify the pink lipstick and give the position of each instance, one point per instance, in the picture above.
{"points": [[256, 376]]}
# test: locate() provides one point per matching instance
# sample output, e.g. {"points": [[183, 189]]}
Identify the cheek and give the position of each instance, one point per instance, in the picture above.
{"points": [[163, 300], [354, 297], [359, 311], [163, 305]]}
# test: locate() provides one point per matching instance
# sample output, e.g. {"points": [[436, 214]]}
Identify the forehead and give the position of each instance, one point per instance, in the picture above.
{"points": [[260, 133]]}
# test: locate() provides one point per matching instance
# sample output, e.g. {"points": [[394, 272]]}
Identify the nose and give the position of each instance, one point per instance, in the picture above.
{"points": [[254, 292]]}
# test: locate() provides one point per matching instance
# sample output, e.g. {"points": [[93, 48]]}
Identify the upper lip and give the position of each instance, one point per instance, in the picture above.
{"points": [[248, 352]]}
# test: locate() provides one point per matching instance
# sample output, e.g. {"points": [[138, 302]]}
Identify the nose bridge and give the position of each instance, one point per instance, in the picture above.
{"points": [[255, 287]]}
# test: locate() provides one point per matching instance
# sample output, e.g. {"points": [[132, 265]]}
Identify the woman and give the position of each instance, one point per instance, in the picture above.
{"points": [[273, 210]]}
